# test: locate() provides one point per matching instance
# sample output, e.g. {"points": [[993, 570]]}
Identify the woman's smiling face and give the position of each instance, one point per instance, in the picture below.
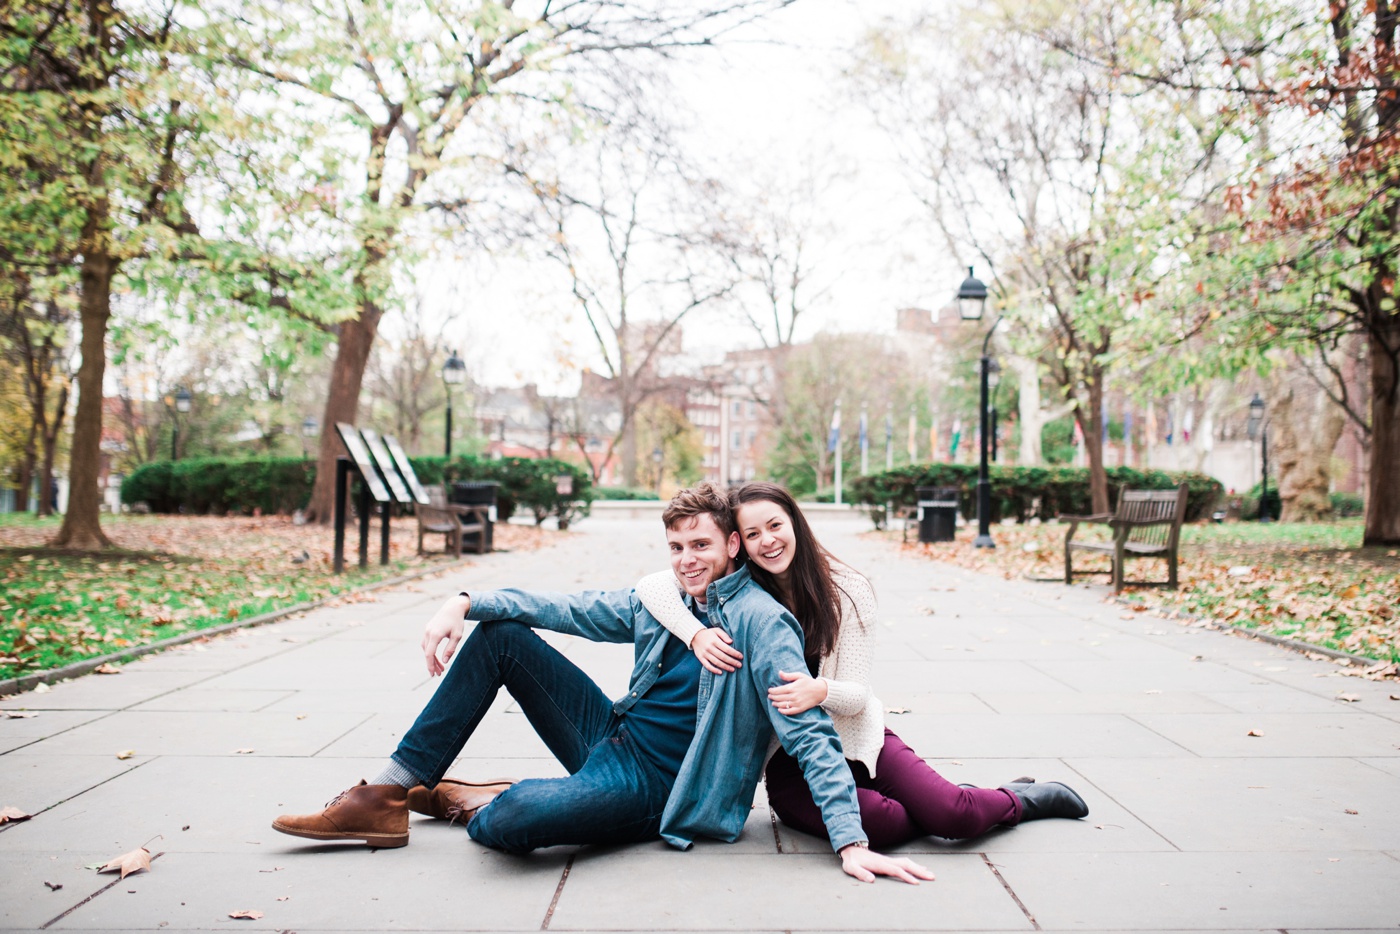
{"points": [[765, 528]]}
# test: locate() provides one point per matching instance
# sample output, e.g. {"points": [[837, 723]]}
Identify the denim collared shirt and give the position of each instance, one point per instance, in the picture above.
{"points": [[734, 719]]}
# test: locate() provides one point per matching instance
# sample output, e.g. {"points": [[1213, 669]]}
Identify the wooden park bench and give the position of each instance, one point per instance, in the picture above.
{"points": [[1146, 525], [452, 521]]}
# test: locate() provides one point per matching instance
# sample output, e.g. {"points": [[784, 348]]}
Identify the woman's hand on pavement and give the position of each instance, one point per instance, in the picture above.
{"points": [[713, 647], [801, 692], [864, 864], [443, 634]]}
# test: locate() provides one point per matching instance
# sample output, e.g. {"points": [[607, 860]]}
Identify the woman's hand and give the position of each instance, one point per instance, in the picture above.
{"points": [[443, 633], [801, 692], [863, 864], [713, 647]]}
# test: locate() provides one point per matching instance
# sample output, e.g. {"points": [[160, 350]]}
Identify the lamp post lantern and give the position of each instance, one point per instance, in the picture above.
{"points": [[182, 407], [1260, 430], [310, 426], [656, 458], [454, 373], [972, 302]]}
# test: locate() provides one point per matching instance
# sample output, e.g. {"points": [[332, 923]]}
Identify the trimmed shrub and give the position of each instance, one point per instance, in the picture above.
{"points": [[283, 484], [622, 493], [220, 485], [1026, 492], [1347, 505]]}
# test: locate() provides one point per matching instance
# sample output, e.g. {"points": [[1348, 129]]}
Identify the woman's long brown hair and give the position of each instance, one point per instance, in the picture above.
{"points": [[815, 599]]}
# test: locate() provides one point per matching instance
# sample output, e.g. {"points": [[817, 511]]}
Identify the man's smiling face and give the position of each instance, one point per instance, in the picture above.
{"points": [[700, 553]]}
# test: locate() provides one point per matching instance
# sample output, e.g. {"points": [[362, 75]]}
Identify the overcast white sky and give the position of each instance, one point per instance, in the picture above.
{"points": [[773, 97]]}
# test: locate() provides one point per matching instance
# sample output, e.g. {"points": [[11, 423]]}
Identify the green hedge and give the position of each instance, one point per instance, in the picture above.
{"points": [[220, 484], [525, 482], [623, 493], [1015, 490], [283, 484]]}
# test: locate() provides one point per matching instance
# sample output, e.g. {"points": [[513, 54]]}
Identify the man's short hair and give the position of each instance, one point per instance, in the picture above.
{"points": [[703, 499]]}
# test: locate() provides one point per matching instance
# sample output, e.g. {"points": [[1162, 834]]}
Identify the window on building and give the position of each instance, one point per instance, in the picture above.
{"points": [[753, 409], [736, 442], [736, 409], [753, 436]]}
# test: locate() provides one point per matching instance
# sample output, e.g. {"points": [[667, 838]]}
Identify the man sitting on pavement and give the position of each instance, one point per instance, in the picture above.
{"points": [[679, 755]]}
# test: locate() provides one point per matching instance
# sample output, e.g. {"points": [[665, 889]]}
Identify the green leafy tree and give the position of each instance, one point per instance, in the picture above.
{"points": [[426, 105]]}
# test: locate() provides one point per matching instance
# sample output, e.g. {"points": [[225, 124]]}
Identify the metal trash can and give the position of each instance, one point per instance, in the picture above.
{"points": [[938, 513], [478, 493]]}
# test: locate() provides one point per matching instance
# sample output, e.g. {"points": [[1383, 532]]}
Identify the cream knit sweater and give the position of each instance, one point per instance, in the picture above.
{"points": [[856, 713]]}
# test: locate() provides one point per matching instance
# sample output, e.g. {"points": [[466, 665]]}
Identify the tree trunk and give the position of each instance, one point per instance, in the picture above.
{"points": [[1303, 433], [1031, 416], [1093, 445], [355, 340], [1383, 480], [48, 436], [26, 472], [82, 526]]}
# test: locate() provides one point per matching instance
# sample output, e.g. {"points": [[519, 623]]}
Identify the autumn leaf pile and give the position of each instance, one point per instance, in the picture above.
{"points": [[173, 574], [1312, 583]]}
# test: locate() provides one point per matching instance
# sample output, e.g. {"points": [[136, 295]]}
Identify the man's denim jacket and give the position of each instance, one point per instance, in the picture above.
{"points": [[734, 719]]}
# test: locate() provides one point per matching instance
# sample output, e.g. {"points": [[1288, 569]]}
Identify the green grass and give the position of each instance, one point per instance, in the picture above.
{"points": [[58, 609]]}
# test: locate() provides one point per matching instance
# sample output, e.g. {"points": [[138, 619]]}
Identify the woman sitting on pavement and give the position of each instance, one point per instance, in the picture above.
{"points": [[901, 797]]}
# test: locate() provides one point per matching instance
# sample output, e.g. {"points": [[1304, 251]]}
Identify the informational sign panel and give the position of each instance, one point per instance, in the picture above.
{"points": [[406, 468], [361, 456], [385, 460]]}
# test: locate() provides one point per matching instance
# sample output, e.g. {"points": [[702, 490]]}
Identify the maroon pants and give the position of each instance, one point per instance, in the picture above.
{"points": [[905, 800]]}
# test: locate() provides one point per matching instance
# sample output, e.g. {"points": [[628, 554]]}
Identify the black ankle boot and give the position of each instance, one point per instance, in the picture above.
{"points": [[1047, 799]]}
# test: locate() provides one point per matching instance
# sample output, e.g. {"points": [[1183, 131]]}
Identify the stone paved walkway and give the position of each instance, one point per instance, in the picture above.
{"points": [[1196, 825]]}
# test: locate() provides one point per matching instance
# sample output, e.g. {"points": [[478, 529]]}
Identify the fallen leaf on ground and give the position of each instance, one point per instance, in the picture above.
{"points": [[1254, 733], [41, 688], [1352, 811], [10, 814], [135, 861], [1349, 698], [283, 898], [106, 670], [53, 886], [301, 716], [1395, 697], [126, 753], [245, 914], [896, 710], [18, 714], [1152, 691], [245, 751]]}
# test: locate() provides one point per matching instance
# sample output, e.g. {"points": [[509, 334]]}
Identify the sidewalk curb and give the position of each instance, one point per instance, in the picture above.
{"points": [[28, 682], [1283, 641]]}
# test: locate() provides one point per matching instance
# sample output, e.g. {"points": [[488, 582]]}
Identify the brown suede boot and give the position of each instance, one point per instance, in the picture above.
{"points": [[376, 814], [454, 799]]}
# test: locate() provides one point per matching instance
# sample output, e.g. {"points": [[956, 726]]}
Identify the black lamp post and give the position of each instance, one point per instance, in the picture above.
{"points": [[454, 373], [182, 407], [972, 302], [1258, 429], [994, 380]]}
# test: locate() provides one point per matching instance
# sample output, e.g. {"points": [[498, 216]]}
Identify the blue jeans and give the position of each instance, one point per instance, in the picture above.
{"points": [[613, 794]]}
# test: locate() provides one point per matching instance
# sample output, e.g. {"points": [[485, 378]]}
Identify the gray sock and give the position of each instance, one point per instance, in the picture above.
{"points": [[395, 774]]}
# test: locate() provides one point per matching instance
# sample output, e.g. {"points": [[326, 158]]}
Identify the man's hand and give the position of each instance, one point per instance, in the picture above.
{"points": [[713, 647], [800, 693], [864, 864], [443, 633]]}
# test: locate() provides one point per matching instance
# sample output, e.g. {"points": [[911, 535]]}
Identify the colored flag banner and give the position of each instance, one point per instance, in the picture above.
{"points": [[835, 438]]}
